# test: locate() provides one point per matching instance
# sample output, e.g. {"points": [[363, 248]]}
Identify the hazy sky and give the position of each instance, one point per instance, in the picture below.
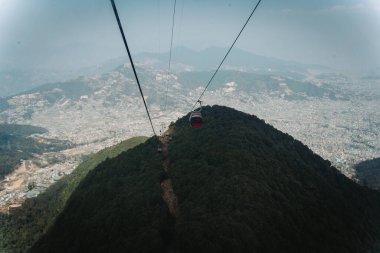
{"points": [[71, 33]]}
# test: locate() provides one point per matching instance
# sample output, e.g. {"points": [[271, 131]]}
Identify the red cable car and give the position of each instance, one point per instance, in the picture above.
{"points": [[196, 119], [196, 116]]}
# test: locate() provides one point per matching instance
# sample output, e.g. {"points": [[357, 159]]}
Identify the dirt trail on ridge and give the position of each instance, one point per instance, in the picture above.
{"points": [[168, 194]]}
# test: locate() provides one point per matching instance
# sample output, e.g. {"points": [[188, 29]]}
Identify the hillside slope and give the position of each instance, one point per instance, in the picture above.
{"points": [[368, 173], [17, 143], [242, 186], [25, 225]]}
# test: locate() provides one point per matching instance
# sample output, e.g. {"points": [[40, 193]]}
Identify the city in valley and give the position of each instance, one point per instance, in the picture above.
{"points": [[336, 117]]}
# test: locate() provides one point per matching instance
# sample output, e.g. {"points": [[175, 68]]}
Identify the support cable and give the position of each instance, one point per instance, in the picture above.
{"points": [[133, 66], [169, 67], [224, 58], [170, 56]]}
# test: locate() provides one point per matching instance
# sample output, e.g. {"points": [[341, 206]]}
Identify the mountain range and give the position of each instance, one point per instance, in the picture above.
{"points": [[14, 81], [208, 59]]}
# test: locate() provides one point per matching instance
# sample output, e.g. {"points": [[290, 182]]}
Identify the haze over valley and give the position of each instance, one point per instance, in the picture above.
{"points": [[336, 116], [190, 126]]}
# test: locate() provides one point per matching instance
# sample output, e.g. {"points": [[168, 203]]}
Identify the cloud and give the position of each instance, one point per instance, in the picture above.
{"points": [[365, 6], [346, 8], [374, 4]]}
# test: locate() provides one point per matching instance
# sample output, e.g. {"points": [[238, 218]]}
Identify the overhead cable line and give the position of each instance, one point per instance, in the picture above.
{"points": [[224, 58], [170, 56], [171, 39], [133, 66]]}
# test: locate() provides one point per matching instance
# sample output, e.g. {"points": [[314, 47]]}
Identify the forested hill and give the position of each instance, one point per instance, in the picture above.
{"points": [[241, 185], [17, 143], [25, 225]]}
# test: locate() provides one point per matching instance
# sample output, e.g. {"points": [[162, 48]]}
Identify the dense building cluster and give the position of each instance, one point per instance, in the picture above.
{"points": [[107, 109]]}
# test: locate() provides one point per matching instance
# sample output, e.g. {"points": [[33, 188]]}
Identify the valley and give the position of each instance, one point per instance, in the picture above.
{"points": [[35, 175], [335, 117]]}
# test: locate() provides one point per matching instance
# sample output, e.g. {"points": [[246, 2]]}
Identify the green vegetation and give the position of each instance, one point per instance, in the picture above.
{"points": [[242, 186], [25, 225], [21, 130], [3, 104], [16, 144], [122, 202], [368, 173]]}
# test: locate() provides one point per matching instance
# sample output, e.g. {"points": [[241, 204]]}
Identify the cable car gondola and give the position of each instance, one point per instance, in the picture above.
{"points": [[196, 119]]}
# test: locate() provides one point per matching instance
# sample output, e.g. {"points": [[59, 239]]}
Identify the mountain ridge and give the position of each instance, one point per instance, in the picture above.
{"points": [[208, 59], [17, 81], [241, 185]]}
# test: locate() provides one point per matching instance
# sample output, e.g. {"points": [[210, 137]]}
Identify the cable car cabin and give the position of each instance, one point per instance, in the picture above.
{"points": [[196, 119]]}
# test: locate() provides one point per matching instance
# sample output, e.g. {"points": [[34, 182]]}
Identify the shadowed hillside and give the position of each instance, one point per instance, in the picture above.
{"points": [[242, 186], [368, 173], [16, 144], [25, 225]]}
